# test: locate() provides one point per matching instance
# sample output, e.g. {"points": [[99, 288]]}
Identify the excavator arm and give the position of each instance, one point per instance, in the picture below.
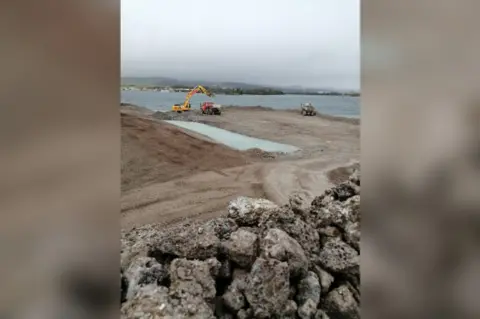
{"points": [[205, 91]]}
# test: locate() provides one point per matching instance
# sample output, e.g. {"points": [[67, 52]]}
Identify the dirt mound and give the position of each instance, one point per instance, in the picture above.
{"points": [[258, 261], [131, 108], [158, 152]]}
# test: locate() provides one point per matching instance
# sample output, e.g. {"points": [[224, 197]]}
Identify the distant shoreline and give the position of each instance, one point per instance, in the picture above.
{"points": [[235, 91]]}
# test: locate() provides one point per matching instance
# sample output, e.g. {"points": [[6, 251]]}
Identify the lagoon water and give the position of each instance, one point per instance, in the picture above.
{"points": [[344, 106], [234, 140]]}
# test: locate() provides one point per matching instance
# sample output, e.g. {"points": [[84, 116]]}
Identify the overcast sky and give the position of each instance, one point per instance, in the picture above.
{"points": [[313, 43]]}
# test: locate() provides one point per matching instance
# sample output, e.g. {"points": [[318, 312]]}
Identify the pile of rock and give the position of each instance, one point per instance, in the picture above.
{"points": [[190, 116], [259, 261]]}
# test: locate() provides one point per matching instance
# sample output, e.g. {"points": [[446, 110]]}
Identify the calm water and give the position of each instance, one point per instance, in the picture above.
{"points": [[332, 105], [234, 140]]}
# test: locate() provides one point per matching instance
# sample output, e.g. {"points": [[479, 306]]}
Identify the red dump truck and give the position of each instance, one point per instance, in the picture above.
{"points": [[210, 108]]}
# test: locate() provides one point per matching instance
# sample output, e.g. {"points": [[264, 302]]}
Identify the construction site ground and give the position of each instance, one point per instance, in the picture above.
{"points": [[169, 174]]}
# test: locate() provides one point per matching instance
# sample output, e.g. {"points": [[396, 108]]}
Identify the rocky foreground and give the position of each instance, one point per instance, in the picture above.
{"points": [[259, 261]]}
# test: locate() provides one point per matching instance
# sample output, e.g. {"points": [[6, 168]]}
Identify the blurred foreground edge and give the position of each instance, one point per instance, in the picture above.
{"points": [[420, 159], [60, 159]]}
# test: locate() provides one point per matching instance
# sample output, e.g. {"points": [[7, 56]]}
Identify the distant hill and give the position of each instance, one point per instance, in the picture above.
{"points": [[166, 81], [241, 85], [171, 81]]}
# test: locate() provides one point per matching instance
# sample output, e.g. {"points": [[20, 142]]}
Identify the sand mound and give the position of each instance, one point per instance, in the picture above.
{"points": [[258, 261], [158, 152]]}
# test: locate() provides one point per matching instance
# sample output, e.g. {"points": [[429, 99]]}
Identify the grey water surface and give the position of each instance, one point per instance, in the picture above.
{"points": [[343, 106], [234, 140]]}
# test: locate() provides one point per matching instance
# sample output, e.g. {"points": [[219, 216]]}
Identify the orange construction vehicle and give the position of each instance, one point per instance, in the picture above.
{"points": [[186, 106]]}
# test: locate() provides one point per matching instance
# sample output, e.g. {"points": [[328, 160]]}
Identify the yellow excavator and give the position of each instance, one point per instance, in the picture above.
{"points": [[186, 106]]}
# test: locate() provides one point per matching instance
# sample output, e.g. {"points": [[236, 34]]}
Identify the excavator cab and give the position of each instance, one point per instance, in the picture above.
{"points": [[177, 108]]}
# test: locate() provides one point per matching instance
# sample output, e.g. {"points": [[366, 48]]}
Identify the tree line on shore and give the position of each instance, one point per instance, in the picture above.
{"points": [[237, 91]]}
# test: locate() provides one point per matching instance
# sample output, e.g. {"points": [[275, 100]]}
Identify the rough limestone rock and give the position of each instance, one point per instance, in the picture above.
{"points": [[352, 280], [258, 261], [144, 271], [191, 243], [191, 278], [242, 247], [278, 245], [354, 289], [298, 204], [240, 278], [344, 190], [246, 211], [334, 214], [268, 288], [285, 219], [296, 201], [290, 310], [355, 187], [131, 252], [323, 200], [355, 177], [329, 232], [352, 235], [221, 227], [308, 295], [337, 194], [352, 205], [325, 279], [234, 298], [340, 303], [320, 314], [338, 257], [214, 266], [153, 301], [253, 230], [307, 310], [245, 314], [309, 288]]}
